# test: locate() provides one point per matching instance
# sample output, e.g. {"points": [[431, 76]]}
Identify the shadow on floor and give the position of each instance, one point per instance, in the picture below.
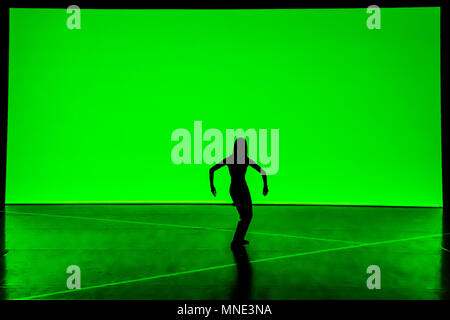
{"points": [[243, 287]]}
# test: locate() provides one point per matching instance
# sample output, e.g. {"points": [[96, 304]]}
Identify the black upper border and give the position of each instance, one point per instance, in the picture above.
{"points": [[225, 5]]}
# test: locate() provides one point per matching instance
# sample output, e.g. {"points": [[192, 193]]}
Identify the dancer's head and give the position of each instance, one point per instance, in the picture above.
{"points": [[240, 151]]}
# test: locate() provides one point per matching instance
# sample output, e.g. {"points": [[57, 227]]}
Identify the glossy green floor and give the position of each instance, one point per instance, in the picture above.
{"points": [[182, 252]]}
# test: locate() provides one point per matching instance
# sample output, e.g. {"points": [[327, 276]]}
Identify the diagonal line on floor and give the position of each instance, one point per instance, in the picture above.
{"points": [[181, 226], [174, 274]]}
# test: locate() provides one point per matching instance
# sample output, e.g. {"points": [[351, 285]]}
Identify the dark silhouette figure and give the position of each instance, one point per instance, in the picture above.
{"points": [[243, 288], [237, 165]]}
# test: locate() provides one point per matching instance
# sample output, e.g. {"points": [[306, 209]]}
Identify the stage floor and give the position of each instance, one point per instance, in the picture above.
{"points": [[183, 252]]}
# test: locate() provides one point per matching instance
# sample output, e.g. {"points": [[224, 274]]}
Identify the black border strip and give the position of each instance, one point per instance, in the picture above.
{"points": [[4, 103], [225, 5], [444, 101]]}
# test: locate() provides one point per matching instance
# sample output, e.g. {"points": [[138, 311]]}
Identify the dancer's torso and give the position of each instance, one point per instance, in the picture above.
{"points": [[238, 183]]}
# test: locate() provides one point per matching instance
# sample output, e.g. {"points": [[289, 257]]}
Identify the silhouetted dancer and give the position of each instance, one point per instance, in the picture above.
{"points": [[237, 165]]}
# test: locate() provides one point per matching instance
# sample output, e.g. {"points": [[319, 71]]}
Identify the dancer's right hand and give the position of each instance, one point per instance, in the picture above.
{"points": [[213, 191]]}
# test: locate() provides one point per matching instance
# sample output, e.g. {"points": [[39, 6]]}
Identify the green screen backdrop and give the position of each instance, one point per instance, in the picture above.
{"points": [[91, 111]]}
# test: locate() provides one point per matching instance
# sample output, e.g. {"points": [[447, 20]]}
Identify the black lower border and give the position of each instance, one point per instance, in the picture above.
{"points": [[220, 309]]}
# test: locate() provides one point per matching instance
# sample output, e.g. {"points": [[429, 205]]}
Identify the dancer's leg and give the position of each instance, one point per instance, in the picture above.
{"points": [[244, 207]]}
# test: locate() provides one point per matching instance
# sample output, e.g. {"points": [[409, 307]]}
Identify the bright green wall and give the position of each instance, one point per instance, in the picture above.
{"points": [[91, 111]]}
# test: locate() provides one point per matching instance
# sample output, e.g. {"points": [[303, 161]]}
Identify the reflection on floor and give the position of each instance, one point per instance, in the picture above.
{"points": [[183, 252]]}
